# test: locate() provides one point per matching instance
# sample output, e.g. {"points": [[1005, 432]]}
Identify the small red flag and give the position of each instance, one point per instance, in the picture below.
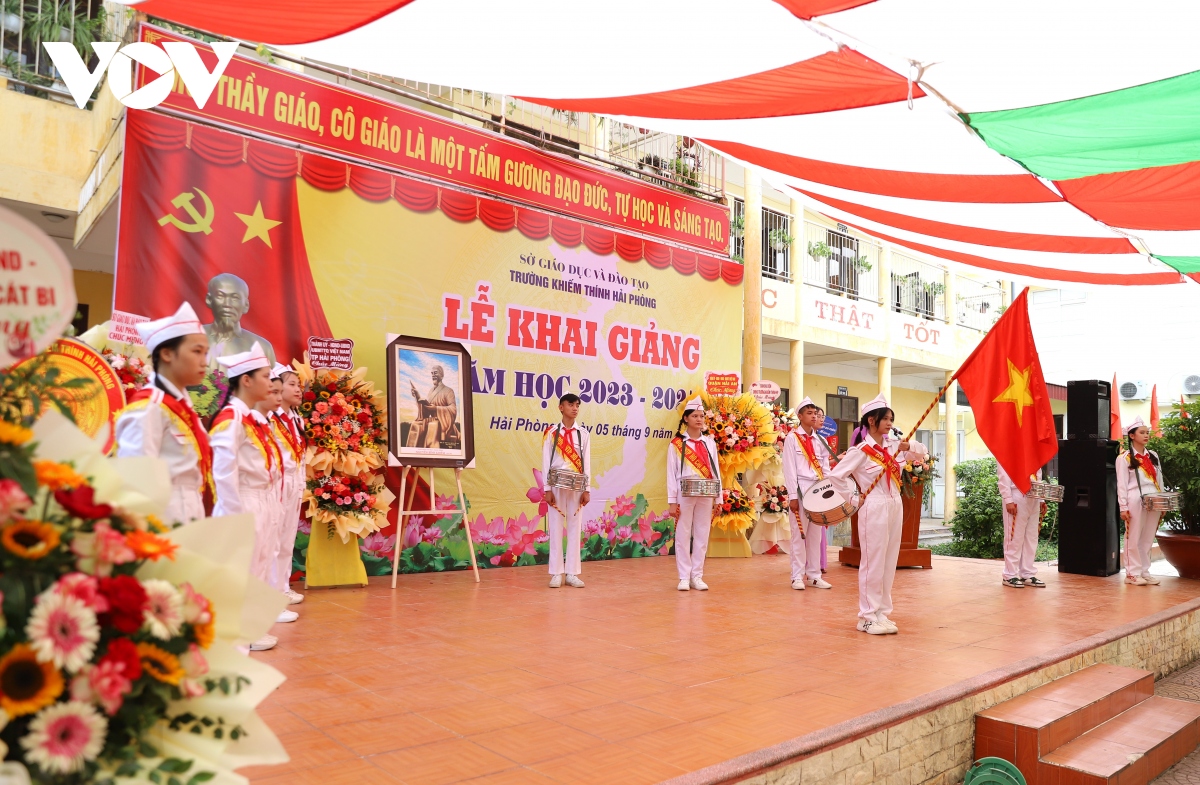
{"points": [[1003, 381], [1114, 414], [1154, 429]]}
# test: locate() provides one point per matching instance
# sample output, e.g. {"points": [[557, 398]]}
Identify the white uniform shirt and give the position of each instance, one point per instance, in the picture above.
{"points": [[240, 460], [678, 467], [552, 458], [1009, 492], [149, 428], [1131, 485], [798, 471], [293, 457], [860, 467]]}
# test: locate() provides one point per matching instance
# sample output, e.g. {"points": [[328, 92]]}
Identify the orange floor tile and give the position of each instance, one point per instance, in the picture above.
{"points": [[630, 681]]}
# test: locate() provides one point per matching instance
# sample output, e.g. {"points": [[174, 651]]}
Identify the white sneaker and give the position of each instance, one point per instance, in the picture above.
{"points": [[294, 597], [862, 625], [574, 582], [1136, 580], [798, 584], [286, 616], [874, 628], [819, 583], [886, 622], [264, 643], [1013, 583], [684, 585], [1150, 579], [556, 581], [699, 585]]}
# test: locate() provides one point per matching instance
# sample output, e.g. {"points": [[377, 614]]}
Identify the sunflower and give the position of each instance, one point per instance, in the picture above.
{"points": [[14, 434], [27, 685], [57, 476], [161, 665], [156, 525], [205, 633], [149, 546], [30, 539]]}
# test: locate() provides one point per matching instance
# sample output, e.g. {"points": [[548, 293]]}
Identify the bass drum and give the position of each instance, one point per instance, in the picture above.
{"points": [[826, 507]]}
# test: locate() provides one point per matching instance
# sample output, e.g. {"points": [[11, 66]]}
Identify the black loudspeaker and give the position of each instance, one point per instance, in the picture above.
{"points": [[1088, 518], [1088, 406]]}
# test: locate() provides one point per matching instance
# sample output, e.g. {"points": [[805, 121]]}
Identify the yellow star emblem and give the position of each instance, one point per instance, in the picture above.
{"points": [[1017, 392], [258, 225]]}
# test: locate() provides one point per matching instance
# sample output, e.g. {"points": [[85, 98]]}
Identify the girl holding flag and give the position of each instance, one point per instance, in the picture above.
{"points": [[1139, 472], [873, 462], [805, 461], [691, 454]]}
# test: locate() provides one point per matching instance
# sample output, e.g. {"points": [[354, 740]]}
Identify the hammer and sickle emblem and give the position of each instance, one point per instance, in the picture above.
{"points": [[200, 223]]}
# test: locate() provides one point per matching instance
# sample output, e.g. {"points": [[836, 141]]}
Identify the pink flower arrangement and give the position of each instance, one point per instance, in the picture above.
{"points": [[13, 500], [100, 550]]}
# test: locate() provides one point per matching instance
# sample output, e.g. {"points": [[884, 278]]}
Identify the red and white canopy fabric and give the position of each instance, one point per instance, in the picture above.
{"points": [[1051, 141]]}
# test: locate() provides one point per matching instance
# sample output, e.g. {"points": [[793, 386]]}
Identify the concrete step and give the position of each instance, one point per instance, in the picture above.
{"points": [[935, 535], [1130, 749]]}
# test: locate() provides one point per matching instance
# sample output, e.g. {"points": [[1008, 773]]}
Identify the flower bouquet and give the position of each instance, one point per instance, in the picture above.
{"points": [[735, 510], [116, 658], [133, 371], [207, 396], [916, 478], [784, 422], [350, 504], [743, 430], [773, 499], [345, 421]]}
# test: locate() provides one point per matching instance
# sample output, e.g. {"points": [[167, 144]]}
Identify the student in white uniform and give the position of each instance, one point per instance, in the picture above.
{"points": [[246, 460], [876, 454], [159, 420], [568, 447], [805, 461], [691, 454], [264, 412], [1139, 472], [289, 432], [1022, 519]]}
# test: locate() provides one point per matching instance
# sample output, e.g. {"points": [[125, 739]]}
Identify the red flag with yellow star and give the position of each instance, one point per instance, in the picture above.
{"points": [[1003, 381]]}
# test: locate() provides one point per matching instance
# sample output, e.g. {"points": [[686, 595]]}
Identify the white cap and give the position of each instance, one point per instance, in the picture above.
{"points": [[878, 402], [280, 369], [695, 405], [806, 402], [238, 364], [1137, 423], [183, 322]]}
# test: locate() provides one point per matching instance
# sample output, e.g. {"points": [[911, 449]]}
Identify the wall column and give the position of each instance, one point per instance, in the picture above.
{"points": [[885, 379], [752, 282], [796, 350], [951, 429], [796, 373]]}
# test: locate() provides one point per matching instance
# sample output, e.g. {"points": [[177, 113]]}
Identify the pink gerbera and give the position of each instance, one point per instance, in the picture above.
{"points": [[164, 609], [62, 630], [64, 736]]}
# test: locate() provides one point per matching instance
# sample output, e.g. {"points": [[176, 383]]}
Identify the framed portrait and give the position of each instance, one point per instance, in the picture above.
{"points": [[429, 403]]}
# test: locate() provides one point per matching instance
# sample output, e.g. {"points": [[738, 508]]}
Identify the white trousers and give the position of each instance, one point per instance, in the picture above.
{"points": [[265, 506], [568, 502], [1143, 525], [806, 550], [691, 535], [281, 570], [1021, 538], [880, 522], [185, 505]]}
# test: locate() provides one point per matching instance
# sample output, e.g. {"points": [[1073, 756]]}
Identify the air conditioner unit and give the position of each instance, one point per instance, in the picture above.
{"points": [[1191, 384], [1134, 391]]}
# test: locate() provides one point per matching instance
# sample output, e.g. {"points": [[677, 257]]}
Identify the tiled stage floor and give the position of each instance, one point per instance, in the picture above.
{"points": [[630, 681]]}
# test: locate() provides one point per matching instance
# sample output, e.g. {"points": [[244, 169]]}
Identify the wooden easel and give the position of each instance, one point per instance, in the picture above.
{"points": [[405, 502]]}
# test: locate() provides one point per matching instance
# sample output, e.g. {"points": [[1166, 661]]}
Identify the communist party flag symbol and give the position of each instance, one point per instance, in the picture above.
{"points": [[1003, 381]]}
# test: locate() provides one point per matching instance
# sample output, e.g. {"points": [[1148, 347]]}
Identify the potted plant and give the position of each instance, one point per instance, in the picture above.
{"points": [[863, 264], [819, 251], [1179, 450], [737, 226], [779, 240]]}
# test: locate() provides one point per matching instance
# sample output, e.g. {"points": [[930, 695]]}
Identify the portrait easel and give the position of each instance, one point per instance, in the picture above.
{"points": [[406, 501]]}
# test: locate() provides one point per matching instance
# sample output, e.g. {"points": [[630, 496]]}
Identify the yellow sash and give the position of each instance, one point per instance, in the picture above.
{"points": [[566, 446], [703, 468], [812, 459]]}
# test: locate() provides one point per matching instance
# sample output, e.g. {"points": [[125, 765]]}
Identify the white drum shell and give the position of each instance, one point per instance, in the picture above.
{"points": [[571, 481], [1046, 491], [824, 506], [698, 486], [1161, 502]]}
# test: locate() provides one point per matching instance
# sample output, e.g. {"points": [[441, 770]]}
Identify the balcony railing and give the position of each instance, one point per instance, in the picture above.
{"points": [[840, 262], [777, 240], [918, 288], [978, 304]]}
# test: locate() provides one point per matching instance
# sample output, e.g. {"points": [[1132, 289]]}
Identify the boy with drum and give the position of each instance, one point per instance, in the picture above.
{"points": [[566, 469], [1022, 518], [693, 485], [1139, 474], [805, 461]]}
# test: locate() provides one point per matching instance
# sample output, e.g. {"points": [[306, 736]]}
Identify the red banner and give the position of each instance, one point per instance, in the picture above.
{"points": [[326, 116]]}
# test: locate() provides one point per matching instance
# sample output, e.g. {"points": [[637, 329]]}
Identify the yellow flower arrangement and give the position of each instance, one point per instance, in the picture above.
{"points": [[734, 511], [743, 429], [30, 539], [14, 434]]}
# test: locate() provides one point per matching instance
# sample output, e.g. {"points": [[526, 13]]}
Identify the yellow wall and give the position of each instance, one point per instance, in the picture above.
{"points": [[96, 290]]}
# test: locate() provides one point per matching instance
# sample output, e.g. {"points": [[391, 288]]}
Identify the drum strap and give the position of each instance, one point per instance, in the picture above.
{"points": [[812, 458], [681, 445], [575, 460]]}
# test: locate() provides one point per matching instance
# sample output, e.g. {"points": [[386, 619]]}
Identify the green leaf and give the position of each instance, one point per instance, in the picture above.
{"points": [[202, 776], [147, 750], [155, 777], [175, 765]]}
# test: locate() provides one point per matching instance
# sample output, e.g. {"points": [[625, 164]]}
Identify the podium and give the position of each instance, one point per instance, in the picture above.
{"points": [[910, 555]]}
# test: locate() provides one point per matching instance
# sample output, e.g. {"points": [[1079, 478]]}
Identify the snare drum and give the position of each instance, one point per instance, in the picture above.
{"points": [[826, 507], [699, 486], [1161, 502], [571, 481], [1046, 491]]}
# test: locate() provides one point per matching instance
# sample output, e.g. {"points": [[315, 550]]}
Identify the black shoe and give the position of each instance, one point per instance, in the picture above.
{"points": [[1014, 583], [1035, 583]]}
